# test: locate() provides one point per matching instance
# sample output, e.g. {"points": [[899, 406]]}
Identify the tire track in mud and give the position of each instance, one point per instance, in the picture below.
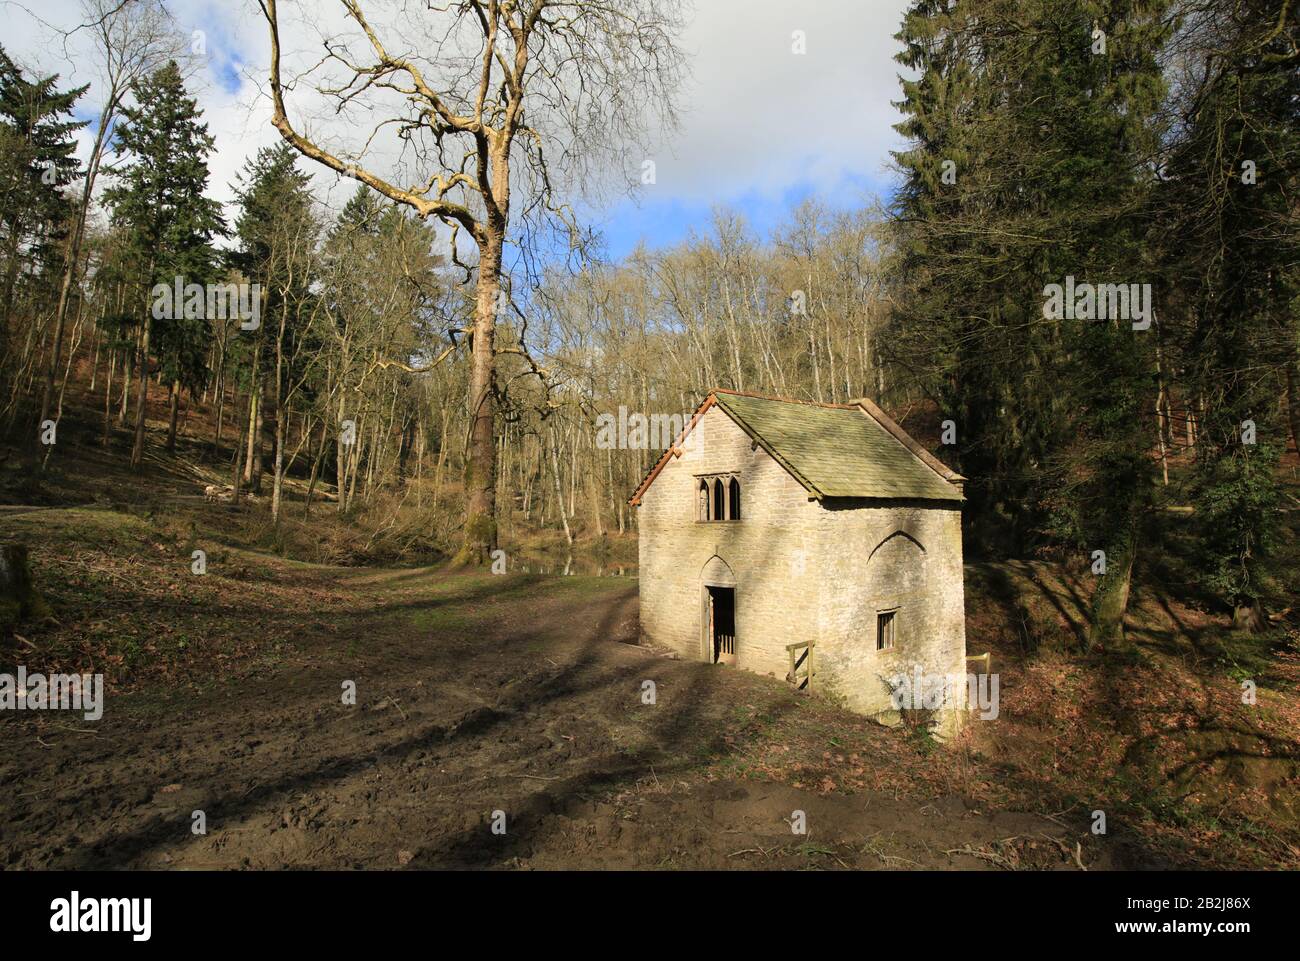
{"points": [[535, 712], [242, 757]]}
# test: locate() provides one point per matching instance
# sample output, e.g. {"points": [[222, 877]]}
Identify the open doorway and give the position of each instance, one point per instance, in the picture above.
{"points": [[722, 624]]}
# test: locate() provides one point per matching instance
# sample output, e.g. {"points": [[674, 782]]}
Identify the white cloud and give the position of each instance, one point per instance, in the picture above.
{"points": [[756, 117], [760, 117]]}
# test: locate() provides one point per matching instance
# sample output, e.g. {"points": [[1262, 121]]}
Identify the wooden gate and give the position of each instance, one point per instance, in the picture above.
{"points": [[801, 665]]}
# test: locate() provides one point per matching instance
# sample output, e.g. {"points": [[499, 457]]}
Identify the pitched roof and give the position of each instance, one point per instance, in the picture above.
{"points": [[834, 450]]}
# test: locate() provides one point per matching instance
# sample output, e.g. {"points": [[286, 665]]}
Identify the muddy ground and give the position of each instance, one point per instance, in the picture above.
{"points": [[474, 695], [523, 694]]}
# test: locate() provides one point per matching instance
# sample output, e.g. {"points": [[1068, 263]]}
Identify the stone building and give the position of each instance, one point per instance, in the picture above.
{"points": [[774, 524]]}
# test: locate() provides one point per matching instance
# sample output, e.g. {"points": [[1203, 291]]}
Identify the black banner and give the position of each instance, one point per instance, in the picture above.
{"points": [[338, 910]]}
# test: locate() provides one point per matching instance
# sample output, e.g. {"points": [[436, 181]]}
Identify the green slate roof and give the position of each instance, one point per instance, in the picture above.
{"points": [[838, 451]]}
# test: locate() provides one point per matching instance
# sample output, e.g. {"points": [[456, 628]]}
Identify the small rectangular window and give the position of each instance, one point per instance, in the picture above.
{"points": [[885, 630]]}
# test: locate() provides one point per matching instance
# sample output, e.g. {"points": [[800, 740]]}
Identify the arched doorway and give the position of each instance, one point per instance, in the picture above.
{"points": [[718, 612]]}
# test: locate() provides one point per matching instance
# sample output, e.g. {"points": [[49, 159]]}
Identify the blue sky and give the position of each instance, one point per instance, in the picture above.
{"points": [[666, 221]]}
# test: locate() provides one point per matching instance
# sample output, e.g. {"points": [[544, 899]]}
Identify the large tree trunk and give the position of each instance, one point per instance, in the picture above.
{"points": [[442, 459], [47, 385], [341, 455], [1248, 615], [128, 371], [221, 396], [480, 466], [315, 467], [559, 489], [354, 466], [277, 484], [1110, 602], [108, 396], [94, 356], [259, 428], [141, 397], [10, 283], [277, 480], [241, 423], [173, 404], [250, 432], [1293, 399], [18, 598]]}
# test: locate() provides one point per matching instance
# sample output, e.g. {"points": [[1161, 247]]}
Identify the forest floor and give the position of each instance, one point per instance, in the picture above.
{"points": [[523, 694]]}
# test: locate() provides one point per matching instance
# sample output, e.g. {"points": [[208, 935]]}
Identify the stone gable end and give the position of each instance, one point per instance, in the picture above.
{"points": [[801, 570]]}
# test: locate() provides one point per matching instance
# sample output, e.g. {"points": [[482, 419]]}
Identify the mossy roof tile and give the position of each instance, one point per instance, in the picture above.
{"points": [[837, 451]]}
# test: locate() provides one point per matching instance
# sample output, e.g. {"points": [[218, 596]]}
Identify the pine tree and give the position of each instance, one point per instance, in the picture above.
{"points": [[158, 197], [360, 215], [968, 234], [278, 232], [1051, 135], [1106, 101], [37, 162], [1228, 210]]}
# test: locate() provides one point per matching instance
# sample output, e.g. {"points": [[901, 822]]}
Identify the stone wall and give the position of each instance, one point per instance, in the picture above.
{"points": [[803, 570]]}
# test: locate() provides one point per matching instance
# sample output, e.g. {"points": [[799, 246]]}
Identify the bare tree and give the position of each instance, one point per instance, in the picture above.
{"points": [[133, 38], [483, 96]]}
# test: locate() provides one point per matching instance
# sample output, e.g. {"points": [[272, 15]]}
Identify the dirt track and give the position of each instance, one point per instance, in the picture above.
{"points": [[522, 696]]}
